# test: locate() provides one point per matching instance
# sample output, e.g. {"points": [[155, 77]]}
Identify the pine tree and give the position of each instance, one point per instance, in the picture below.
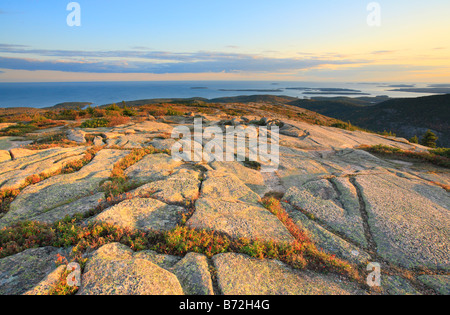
{"points": [[414, 139], [429, 139]]}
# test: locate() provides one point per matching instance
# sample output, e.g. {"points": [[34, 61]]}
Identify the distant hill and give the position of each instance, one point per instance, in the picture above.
{"points": [[406, 117], [273, 99], [367, 101], [160, 101], [69, 105]]}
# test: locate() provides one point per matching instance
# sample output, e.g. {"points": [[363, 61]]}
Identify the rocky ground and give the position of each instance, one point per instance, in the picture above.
{"points": [[354, 205]]}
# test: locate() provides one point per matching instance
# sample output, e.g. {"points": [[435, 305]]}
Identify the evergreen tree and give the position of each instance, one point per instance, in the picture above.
{"points": [[429, 139], [414, 139]]}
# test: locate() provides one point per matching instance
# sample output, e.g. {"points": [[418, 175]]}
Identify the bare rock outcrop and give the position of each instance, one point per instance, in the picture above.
{"points": [[115, 270]]}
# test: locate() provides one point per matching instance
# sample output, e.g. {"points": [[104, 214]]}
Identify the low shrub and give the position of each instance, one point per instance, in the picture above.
{"points": [[117, 121], [110, 121], [113, 107], [52, 141], [445, 152], [95, 123], [66, 114], [173, 112], [437, 157], [183, 240], [62, 287], [7, 196], [344, 125], [128, 112], [252, 164], [19, 129]]}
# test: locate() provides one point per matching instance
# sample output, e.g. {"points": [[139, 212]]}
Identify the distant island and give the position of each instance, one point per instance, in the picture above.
{"points": [[399, 85], [434, 90], [251, 90], [335, 93], [327, 91]]}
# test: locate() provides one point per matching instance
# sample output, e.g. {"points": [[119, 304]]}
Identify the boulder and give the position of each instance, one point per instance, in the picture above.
{"points": [[162, 260], [163, 144], [395, 285], [114, 270], [238, 219], [63, 189], [152, 127], [4, 156], [241, 275], [18, 153], [152, 167], [98, 141], [334, 202], [80, 206], [181, 187], [143, 214], [327, 241], [250, 177], [440, 283], [292, 131], [193, 273], [22, 272], [46, 286], [129, 141], [226, 186], [409, 220], [13, 173], [76, 135]]}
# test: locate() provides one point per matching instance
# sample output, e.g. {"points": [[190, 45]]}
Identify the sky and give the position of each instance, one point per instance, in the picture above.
{"points": [[283, 40]]}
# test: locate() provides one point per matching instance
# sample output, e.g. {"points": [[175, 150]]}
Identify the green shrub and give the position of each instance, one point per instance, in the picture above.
{"points": [[252, 164], [442, 152], [113, 107], [389, 134], [18, 130], [95, 123], [67, 114], [90, 110], [128, 112], [173, 112]]}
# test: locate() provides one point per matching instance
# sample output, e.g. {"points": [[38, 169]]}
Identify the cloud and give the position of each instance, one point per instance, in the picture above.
{"points": [[371, 71], [158, 62], [383, 52]]}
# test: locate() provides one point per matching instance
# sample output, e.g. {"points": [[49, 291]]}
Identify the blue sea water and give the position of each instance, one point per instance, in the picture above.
{"points": [[99, 93]]}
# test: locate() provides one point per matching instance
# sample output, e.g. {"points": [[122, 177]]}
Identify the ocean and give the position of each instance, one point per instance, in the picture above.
{"points": [[41, 95]]}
